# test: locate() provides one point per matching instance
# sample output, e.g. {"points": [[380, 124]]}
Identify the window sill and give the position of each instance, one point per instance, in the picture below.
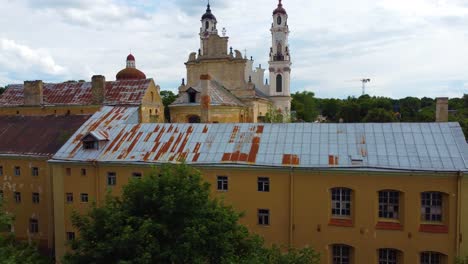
{"points": [[383, 225], [433, 228], [341, 222]]}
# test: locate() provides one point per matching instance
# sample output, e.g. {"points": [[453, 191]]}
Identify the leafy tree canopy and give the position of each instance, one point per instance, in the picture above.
{"points": [[168, 97], [169, 217], [2, 89]]}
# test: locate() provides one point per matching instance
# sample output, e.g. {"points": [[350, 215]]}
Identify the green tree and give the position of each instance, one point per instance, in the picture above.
{"points": [[379, 115], [330, 108], [305, 106], [2, 89], [12, 251], [409, 108], [350, 111], [169, 217], [168, 97]]}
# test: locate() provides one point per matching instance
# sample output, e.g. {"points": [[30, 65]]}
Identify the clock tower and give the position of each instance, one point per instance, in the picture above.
{"points": [[280, 61]]}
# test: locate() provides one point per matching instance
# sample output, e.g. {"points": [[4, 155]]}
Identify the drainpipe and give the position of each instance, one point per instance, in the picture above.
{"points": [[291, 206], [459, 212]]}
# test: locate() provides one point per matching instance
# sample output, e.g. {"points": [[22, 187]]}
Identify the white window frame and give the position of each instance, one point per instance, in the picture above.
{"points": [[263, 216], [341, 199], [430, 257], [35, 198], [432, 206], [33, 226], [222, 183], [388, 256], [263, 184], [389, 204], [35, 171], [111, 178], [341, 254], [84, 197]]}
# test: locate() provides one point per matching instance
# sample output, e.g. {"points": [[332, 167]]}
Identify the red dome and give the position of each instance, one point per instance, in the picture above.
{"points": [[130, 74], [130, 57], [279, 9]]}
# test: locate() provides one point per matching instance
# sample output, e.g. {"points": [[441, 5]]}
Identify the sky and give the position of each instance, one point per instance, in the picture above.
{"points": [[406, 47]]}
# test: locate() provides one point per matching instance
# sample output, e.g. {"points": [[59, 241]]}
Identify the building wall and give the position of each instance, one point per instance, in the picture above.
{"points": [[49, 110], [463, 179], [27, 184], [152, 108], [229, 71], [300, 206], [219, 114]]}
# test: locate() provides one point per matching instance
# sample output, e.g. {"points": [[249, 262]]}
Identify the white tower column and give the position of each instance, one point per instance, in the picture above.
{"points": [[280, 61]]}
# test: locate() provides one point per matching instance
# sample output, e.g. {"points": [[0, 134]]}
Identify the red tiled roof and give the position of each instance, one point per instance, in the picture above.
{"points": [[129, 92], [37, 135]]}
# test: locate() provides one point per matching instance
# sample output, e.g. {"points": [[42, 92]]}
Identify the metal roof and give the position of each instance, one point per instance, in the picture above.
{"points": [[36, 135], [394, 146], [219, 95], [128, 92]]}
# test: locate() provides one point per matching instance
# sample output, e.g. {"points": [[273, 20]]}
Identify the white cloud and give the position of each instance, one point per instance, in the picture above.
{"points": [[415, 47]]}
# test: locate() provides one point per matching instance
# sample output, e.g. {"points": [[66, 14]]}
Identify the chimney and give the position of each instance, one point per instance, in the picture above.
{"points": [[205, 98], [98, 89], [442, 109], [33, 93]]}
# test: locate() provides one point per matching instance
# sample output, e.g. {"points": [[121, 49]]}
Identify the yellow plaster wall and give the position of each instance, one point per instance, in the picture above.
{"points": [[27, 184], [49, 110], [152, 108], [230, 72], [464, 215], [220, 114], [300, 206]]}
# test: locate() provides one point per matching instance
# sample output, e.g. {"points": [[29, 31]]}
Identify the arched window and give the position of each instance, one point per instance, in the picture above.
{"points": [[194, 119], [389, 255], [207, 25], [279, 83], [278, 20], [430, 257]]}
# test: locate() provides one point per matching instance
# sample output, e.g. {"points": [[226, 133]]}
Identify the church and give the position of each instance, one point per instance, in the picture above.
{"points": [[223, 87]]}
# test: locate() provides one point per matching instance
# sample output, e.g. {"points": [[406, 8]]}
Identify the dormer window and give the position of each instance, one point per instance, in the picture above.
{"points": [[94, 140], [192, 95]]}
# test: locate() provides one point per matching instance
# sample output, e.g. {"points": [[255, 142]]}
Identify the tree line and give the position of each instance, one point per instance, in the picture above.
{"points": [[306, 107]]}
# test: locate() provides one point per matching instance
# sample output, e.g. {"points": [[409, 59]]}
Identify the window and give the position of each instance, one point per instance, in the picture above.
{"points": [[1, 170], [111, 178], [279, 83], [192, 96], [389, 202], [68, 171], [69, 197], [341, 202], [35, 198], [90, 145], [35, 171], [222, 183], [207, 25], [17, 171], [263, 184], [263, 216], [84, 197], [17, 197], [33, 226], [431, 258], [70, 236], [278, 20], [431, 206], [83, 172], [194, 119], [341, 254], [136, 175], [388, 256]]}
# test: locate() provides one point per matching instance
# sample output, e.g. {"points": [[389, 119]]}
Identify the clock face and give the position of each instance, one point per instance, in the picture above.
{"points": [[278, 20]]}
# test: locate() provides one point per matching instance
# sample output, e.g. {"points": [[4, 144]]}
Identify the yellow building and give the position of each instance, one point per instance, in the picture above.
{"points": [[26, 143], [394, 193]]}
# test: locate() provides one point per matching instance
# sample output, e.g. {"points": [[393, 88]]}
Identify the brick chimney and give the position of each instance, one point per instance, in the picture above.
{"points": [[33, 93], [442, 109], [98, 89], [205, 99]]}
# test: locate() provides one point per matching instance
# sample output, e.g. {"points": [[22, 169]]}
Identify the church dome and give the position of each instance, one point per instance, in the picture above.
{"points": [[130, 72], [279, 9], [208, 14]]}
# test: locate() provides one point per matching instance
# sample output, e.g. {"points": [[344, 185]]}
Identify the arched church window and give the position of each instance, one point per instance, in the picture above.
{"points": [[278, 20], [279, 83], [207, 25]]}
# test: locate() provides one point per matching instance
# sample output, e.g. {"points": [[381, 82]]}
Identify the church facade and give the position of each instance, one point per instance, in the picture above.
{"points": [[223, 87]]}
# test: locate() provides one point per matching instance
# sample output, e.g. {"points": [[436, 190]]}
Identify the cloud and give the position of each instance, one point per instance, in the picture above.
{"points": [[18, 59]]}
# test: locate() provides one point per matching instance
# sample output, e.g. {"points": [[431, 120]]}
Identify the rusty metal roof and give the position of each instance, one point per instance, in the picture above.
{"points": [[128, 92], [390, 146], [219, 95], [37, 135]]}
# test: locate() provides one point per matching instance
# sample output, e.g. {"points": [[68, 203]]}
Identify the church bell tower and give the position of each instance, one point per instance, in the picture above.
{"points": [[280, 61], [208, 27]]}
